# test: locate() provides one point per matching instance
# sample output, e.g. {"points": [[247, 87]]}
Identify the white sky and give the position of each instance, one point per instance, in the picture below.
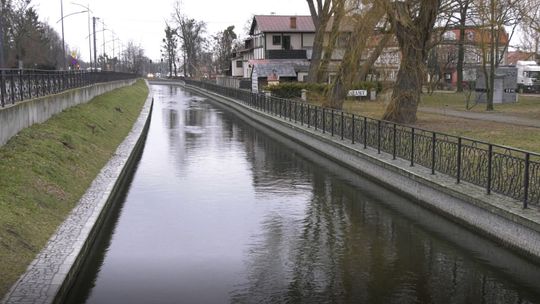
{"points": [[143, 21]]}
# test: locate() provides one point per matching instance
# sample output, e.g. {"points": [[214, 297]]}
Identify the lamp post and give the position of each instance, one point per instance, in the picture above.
{"points": [[62, 17], [63, 41], [88, 10], [95, 50]]}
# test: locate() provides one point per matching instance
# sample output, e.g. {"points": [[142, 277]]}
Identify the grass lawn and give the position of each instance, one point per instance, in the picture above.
{"points": [[527, 105], [504, 134], [46, 168]]}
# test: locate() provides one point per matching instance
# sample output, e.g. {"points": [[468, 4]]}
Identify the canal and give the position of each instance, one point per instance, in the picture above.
{"points": [[219, 211]]}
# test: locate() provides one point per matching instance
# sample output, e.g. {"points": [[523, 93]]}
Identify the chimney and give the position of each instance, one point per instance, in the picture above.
{"points": [[293, 22]]}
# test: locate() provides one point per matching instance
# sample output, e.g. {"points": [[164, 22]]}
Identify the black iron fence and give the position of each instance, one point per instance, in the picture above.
{"points": [[17, 85], [511, 172]]}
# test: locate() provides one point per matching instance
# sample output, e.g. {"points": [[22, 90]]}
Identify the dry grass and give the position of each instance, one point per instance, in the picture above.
{"points": [[527, 105]]}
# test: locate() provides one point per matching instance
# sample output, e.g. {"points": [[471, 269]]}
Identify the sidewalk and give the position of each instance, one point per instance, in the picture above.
{"points": [[495, 117]]}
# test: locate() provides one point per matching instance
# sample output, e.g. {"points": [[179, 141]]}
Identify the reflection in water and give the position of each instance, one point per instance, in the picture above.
{"points": [[221, 212]]}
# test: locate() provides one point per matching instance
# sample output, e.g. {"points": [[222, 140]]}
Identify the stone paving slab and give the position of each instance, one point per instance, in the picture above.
{"points": [[48, 272]]}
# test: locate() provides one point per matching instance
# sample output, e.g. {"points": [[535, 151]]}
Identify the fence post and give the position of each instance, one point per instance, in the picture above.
{"points": [[323, 120], [352, 129], [290, 108], [308, 116], [342, 124], [489, 173], [394, 142], [21, 86], [378, 137], [526, 180], [433, 143], [458, 173], [365, 132], [29, 83], [2, 88], [12, 87], [412, 147], [302, 114], [316, 122], [332, 121]]}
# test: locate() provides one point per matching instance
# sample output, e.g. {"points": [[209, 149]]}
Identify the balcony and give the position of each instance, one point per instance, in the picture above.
{"points": [[286, 54]]}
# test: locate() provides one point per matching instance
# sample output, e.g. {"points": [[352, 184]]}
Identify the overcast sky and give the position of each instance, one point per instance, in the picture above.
{"points": [[144, 21]]}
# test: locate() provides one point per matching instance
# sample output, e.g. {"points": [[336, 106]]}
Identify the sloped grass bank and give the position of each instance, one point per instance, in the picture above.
{"points": [[46, 168]]}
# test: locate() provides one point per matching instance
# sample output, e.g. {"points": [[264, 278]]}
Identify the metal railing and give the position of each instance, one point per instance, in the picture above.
{"points": [[17, 85], [504, 170]]}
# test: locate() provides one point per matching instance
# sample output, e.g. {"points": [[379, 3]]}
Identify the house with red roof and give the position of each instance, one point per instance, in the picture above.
{"points": [[278, 46]]}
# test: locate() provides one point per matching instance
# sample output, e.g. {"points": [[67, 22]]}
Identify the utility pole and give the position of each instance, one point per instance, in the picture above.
{"points": [[89, 38], [95, 50], [63, 41]]}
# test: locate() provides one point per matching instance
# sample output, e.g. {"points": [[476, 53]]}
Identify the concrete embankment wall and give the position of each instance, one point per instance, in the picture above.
{"points": [[499, 218], [14, 118]]}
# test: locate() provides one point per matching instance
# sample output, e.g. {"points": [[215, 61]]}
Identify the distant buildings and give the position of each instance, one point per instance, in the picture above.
{"points": [[282, 46]]}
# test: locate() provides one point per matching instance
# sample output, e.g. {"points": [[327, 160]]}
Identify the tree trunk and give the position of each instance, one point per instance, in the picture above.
{"points": [[492, 58], [352, 64], [316, 55], [320, 16], [464, 7], [406, 94], [413, 34], [368, 64], [339, 11]]}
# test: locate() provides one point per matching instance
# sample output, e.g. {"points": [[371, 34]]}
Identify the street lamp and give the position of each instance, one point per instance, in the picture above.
{"points": [[63, 41], [95, 50], [62, 17], [88, 10]]}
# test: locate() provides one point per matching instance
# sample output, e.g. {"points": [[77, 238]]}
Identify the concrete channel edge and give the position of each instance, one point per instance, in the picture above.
{"points": [[14, 118], [51, 274], [497, 217]]}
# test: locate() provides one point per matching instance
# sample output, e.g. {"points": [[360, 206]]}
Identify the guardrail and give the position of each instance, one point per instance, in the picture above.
{"points": [[511, 172], [17, 85]]}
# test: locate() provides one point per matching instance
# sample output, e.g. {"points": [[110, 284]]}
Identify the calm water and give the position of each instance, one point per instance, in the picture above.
{"points": [[218, 211]]}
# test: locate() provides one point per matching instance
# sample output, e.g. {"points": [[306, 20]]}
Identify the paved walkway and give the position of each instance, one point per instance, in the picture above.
{"points": [[495, 117]]}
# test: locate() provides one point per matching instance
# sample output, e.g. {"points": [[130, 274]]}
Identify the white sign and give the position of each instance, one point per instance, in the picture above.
{"points": [[357, 93]]}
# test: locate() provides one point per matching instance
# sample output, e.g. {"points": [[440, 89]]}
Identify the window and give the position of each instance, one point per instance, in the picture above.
{"points": [[449, 36], [239, 64], [276, 40], [532, 74]]}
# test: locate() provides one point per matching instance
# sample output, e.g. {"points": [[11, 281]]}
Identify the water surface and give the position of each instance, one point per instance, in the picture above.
{"points": [[221, 212]]}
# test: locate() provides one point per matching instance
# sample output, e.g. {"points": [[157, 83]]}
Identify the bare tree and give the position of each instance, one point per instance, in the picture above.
{"points": [[134, 58], [223, 47], [354, 66], [170, 45], [190, 32], [463, 11], [413, 21], [493, 17], [529, 10], [25, 39]]}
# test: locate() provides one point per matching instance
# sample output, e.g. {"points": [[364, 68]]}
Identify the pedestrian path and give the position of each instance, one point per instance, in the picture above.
{"points": [[495, 117]]}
